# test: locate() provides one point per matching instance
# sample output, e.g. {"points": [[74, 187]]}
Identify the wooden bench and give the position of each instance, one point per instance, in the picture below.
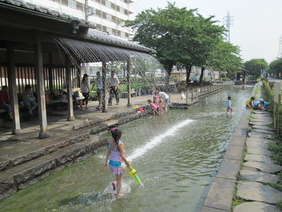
{"points": [[133, 94]]}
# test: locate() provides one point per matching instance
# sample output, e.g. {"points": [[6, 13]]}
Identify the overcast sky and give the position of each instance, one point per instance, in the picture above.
{"points": [[256, 24]]}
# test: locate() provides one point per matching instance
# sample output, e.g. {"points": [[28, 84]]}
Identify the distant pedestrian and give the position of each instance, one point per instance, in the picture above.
{"points": [[114, 83], [85, 90], [100, 89], [229, 105], [5, 101]]}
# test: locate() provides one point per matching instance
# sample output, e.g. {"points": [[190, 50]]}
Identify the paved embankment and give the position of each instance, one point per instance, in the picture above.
{"points": [[246, 169]]}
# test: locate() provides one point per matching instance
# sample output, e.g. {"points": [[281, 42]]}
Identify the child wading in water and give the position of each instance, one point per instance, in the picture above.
{"points": [[229, 104], [117, 159]]}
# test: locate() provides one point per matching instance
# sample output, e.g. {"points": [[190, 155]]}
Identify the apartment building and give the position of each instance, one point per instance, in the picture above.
{"points": [[107, 15]]}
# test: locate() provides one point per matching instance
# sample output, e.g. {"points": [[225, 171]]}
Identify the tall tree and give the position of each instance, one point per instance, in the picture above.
{"points": [[255, 66], [226, 58], [275, 67]]}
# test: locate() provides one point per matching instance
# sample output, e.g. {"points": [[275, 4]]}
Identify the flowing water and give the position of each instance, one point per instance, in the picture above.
{"points": [[176, 155]]}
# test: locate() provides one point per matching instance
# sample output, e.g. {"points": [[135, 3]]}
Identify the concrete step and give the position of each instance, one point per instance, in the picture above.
{"points": [[14, 156], [26, 174]]}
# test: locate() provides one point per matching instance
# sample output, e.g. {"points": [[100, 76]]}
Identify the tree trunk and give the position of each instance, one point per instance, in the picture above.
{"points": [[188, 68], [168, 69], [201, 75]]}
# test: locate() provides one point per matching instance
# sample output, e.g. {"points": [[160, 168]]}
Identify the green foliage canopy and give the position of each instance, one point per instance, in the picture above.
{"points": [[275, 67], [255, 66]]}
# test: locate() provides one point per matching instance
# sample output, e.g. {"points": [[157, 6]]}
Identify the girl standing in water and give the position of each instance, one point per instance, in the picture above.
{"points": [[229, 104], [116, 154]]}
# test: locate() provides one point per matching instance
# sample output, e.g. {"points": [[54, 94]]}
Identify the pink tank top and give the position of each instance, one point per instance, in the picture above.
{"points": [[115, 154]]}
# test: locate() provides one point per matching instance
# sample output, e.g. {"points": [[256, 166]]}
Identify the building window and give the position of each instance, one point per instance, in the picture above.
{"points": [[72, 4], [57, 1], [99, 27], [98, 13], [113, 6], [108, 17], [104, 15], [117, 8], [105, 29]]}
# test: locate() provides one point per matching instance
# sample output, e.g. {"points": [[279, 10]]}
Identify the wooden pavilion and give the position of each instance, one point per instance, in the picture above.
{"points": [[39, 45]]}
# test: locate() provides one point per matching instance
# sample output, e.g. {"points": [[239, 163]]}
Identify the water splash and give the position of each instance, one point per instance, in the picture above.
{"points": [[157, 140]]}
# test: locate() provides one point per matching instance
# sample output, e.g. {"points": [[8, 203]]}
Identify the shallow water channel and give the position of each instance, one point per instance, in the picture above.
{"points": [[176, 155]]}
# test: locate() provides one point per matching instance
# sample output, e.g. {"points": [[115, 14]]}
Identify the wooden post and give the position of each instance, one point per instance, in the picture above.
{"points": [[50, 72], [69, 89], [128, 83], [13, 91], [104, 99], [40, 88]]}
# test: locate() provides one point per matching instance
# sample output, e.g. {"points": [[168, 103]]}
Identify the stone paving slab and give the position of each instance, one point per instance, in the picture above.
{"points": [[261, 127], [258, 176], [259, 151], [264, 167], [255, 207], [259, 123], [259, 136], [261, 131], [234, 152], [220, 194], [258, 192], [238, 140], [258, 158], [209, 209], [228, 169], [254, 142]]}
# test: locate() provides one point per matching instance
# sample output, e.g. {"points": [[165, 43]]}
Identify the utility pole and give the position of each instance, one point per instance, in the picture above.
{"points": [[227, 20], [88, 11], [280, 48]]}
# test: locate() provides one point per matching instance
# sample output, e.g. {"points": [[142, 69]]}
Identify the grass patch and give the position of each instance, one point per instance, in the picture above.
{"points": [[237, 201], [279, 205]]}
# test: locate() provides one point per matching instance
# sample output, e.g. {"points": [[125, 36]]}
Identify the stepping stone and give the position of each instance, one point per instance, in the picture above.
{"points": [[255, 207], [261, 123], [259, 151], [258, 158], [264, 167], [262, 131], [258, 192], [258, 176], [257, 127], [255, 142]]}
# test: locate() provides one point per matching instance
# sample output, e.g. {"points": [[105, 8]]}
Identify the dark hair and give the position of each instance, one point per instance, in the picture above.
{"points": [[229, 97], [116, 134], [27, 87], [252, 98]]}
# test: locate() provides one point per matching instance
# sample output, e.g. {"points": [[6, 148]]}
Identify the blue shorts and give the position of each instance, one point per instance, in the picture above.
{"points": [[166, 100], [115, 163]]}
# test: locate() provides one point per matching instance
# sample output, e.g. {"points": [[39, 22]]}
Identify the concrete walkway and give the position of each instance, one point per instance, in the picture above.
{"points": [[247, 180]]}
